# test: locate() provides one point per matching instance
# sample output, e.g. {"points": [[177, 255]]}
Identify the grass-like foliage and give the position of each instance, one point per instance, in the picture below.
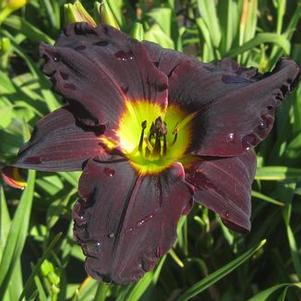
{"points": [[39, 259]]}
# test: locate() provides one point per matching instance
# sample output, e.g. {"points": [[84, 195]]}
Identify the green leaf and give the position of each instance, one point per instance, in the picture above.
{"points": [[229, 19], [157, 35], [287, 190], [219, 274], [101, 293], [162, 16], [207, 11], [4, 221], [36, 268], [110, 12], [264, 295], [137, 31], [137, 291], [262, 38], [17, 235], [209, 54], [6, 85], [278, 173], [30, 31], [266, 198], [6, 114]]}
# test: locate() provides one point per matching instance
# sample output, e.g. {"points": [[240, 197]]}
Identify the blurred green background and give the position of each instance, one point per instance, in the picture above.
{"points": [[38, 257]]}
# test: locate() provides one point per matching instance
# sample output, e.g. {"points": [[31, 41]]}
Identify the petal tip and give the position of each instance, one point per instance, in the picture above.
{"points": [[12, 177], [243, 228]]}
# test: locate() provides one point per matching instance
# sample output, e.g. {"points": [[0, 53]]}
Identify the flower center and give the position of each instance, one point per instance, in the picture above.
{"points": [[153, 138], [154, 145]]}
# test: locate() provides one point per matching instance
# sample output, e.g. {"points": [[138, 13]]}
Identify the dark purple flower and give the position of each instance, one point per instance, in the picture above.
{"points": [[153, 131]]}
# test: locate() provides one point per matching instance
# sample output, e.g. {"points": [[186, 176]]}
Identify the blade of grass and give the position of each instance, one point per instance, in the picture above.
{"points": [[248, 23], [101, 293], [278, 173], [157, 35], [16, 285], [17, 235], [138, 290], [209, 54], [36, 268], [266, 198], [281, 5], [219, 274], [290, 30], [229, 23], [262, 38], [264, 295], [208, 13], [162, 16], [40, 289], [86, 289], [30, 31], [288, 193], [51, 13], [4, 221], [4, 230]]}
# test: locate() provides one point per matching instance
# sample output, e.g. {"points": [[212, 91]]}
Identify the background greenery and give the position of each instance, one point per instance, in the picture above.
{"points": [[38, 257]]}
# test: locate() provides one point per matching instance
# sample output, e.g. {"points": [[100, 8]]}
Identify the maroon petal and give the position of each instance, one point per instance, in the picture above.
{"points": [[125, 222], [236, 105], [59, 143], [224, 186], [100, 68]]}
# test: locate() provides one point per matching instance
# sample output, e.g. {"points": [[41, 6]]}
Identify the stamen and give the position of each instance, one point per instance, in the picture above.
{"points": [[147, 152], [175, 133], [164, 145], [151, 132], [158, 123], [149, 146], [143, 125], [164, 129], [156, 143], [157, 148]]}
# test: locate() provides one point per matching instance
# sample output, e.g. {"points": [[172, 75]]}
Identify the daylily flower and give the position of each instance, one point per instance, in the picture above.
{"points": [[154, 131]]}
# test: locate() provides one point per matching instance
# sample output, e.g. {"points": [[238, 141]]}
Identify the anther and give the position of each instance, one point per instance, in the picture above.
{"points": [[143, 125], [158, 122], [156, 142], [164, 129]]}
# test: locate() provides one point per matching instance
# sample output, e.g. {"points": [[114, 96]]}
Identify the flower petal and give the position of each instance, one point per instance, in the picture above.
{"points": [[236, 105], [12, 177], [224, 186], [60, 143], [125, 222], [100, 68], [243, 117]]}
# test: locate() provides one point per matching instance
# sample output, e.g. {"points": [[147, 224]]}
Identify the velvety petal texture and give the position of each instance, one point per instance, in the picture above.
{"points": [[60, 143], [235, 105], [126, 222], [224, 186], [100, 68]]}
